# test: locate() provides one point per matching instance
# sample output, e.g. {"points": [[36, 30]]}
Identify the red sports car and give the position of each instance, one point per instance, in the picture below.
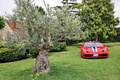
{"points": [[94, 49]]}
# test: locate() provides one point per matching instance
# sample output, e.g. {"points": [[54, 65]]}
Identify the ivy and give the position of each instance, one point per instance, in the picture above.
{"points": [[2, 22]]}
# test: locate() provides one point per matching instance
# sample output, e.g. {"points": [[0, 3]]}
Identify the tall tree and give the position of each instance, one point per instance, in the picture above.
{"points": [[38, 27], [41, 10], [65, 2], [2, 25], [69, 24], [97, 16], [2, 22], [42, 30]]}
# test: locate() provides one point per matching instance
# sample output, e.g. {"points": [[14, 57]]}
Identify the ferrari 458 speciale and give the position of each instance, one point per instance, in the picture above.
{"points": [[94, 49]]}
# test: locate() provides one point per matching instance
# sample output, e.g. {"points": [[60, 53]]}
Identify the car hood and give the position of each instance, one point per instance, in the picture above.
{"points": [[94, 49]]}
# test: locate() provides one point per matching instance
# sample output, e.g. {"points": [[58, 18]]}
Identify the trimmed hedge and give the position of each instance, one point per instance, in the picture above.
{"points": [[16, 53], [59, 46], [8, 55]]}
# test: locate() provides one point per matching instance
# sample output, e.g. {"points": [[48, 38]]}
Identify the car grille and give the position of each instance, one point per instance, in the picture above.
{"points": [[88, 55], [103, 54]]}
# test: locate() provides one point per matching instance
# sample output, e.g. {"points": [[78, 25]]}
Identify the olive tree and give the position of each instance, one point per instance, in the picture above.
{"points": [[43, 29], [38, 27]]}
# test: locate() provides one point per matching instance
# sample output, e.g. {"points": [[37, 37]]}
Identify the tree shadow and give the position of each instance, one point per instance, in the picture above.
{"points": [[64, 72], [57, 72]]}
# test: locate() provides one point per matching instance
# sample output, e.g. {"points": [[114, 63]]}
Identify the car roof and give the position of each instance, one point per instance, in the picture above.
{"points": [[92, 44]]}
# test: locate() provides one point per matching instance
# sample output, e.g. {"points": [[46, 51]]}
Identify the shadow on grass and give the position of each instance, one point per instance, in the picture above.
{"points": [[26, 72], [56, 73], [62, 73], [94, 58]]}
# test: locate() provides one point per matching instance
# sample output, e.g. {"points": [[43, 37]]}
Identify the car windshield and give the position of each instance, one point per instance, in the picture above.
{"points": [[92, 44]]}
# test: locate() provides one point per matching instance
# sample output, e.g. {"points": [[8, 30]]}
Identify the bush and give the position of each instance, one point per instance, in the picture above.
{"points": [[20, 52], [8, 55], [59, 46], [34, 53], [1, 45]]}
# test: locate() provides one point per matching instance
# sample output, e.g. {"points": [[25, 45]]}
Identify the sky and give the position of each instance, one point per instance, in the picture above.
{"points": [[8, 5]]}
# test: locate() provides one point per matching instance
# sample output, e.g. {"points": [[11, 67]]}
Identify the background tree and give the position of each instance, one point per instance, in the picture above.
{"points": [[97, 17], [2, 25], [69, 24], [2, 22], [70, 4], [117, 37], [65, 2], [41, 10]]}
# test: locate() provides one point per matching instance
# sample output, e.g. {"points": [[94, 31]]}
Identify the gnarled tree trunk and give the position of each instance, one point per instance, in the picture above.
{"points": [[42, 62]]}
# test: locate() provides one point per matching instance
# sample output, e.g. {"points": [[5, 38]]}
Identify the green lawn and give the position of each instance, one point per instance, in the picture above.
{"points": [[67, 65]]}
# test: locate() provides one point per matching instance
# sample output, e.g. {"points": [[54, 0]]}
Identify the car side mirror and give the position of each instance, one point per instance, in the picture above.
{"points": [[105, 45]]}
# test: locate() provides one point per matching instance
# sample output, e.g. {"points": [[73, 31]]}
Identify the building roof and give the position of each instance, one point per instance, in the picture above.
{"points": [[9, 29], [18, 28]]}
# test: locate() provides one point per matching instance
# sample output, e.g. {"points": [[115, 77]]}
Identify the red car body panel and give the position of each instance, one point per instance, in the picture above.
{"points": [[93, 50]]}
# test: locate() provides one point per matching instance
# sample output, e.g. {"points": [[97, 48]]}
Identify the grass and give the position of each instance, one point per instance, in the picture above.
{"points": [[67, 65]]}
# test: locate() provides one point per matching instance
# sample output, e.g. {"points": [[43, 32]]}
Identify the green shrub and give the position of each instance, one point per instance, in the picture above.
{"points": [[2, 45], [34, 52], [59, 46], [8, 55], [4, 50], [31, 50]]}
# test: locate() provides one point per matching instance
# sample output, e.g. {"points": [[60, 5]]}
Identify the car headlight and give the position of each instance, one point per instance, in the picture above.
{"points": [[104, 50], [85, 50]]}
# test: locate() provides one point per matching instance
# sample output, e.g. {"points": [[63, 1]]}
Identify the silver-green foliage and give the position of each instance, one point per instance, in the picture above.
{"points": [[68, 24], [45, 28], [11, 40], [38, 26], [29, 17]]}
